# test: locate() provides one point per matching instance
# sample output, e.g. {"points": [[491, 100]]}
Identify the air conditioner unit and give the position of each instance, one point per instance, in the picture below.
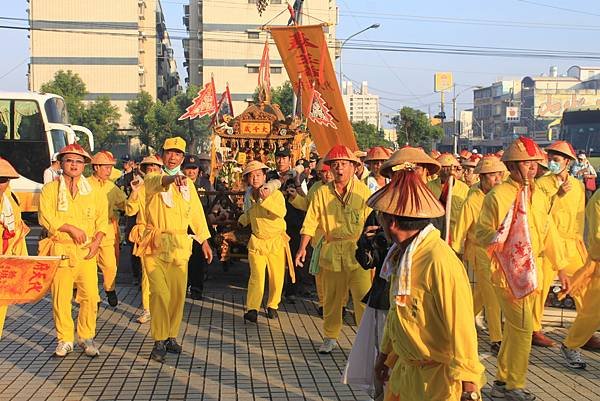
{"points": [[141, 69]]}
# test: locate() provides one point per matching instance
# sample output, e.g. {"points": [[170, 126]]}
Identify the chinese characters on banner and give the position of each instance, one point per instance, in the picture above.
{"points": [[304, 53], [26, 279]]}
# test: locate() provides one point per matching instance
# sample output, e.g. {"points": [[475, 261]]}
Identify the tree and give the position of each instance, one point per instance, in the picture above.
{"points": [[138, 109], [414, 128], [70, 86], [283, 96], [102, 118], [367, 135]]}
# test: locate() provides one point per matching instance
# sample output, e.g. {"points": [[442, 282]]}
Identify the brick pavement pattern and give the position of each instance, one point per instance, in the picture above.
{"points": [[223, 358]]}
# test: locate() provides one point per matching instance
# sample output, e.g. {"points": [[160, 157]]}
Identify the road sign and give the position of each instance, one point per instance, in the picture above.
{"points": [[513, 115], [442, 81]]}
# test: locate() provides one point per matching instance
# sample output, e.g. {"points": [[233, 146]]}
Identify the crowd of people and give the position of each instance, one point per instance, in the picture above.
{"points": [[429, 247]]}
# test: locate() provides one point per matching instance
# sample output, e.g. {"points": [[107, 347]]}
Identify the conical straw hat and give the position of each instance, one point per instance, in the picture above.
{"points": [[377, 153], [341, 152], [104, 157], [490, 164], [522, 149], [448, 160], [406, 195], [472, 161], [75, 149], [564, 148], [253, 166], [7, 170], [154, 159], [410, 155]]}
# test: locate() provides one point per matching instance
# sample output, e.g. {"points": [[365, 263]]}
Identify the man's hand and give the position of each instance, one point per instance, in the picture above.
{"points": [[264, 192], [370, 231], [136, 185], [77, 235], [564, 188], [565, 281], [93, 247], [382, 372], [469, 387], [207, 251], [300, 257]]}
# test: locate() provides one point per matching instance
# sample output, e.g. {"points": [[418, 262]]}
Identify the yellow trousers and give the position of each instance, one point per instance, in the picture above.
{"points": [[588, 319], [168, 281], [484, 298], [84, 278], [320, 289], [513, 357], [107, 261], [548, 275], [336, 286], [3, 310], [145, 287], [273, 262]]}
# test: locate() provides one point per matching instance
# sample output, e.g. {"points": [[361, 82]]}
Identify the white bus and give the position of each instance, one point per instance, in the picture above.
{"points": [[33, 126]]}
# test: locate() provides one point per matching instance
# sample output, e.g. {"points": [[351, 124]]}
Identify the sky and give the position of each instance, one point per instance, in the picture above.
{"points": [[406, 78]]}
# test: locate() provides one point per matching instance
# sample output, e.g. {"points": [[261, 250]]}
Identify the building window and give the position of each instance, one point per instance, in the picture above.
{"points": [[275, 70], [252, 70], [275, 1], [253, 35]]}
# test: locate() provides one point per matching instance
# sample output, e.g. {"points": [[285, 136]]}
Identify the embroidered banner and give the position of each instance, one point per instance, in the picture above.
{"points": [[26, 279]]}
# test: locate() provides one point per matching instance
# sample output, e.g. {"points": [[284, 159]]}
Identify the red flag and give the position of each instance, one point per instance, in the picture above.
{"points": [[264, 75], [205, 104], [224, 107], [319, 112], [511, 248]]}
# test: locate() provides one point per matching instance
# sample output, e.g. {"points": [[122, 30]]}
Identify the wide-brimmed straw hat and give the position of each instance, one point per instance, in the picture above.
{"points": [[321, 166], [406, 195], [341, 152], [7, 170], [104, 157], [562, 147], [472, 161], [490, 164], [154, 159], [253, 166], [465, 154], [74, 149], [411, 155], [377, 153], [522, 149], [448, 160]]}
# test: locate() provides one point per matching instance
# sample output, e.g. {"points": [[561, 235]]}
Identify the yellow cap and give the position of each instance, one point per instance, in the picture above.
{"points": [[177, 143]]}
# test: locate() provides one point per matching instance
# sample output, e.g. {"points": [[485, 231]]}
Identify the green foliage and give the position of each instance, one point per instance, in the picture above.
{"points": [[283, 96], [70, 86], [414, 128], [367, 135], [138, 109]]}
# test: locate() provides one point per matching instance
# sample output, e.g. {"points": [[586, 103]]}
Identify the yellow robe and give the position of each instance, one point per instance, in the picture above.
{"points": [[514, 353], [89, 213], [459, 194], [341, 225], [433, 335], [267, 249], [16, 244]]}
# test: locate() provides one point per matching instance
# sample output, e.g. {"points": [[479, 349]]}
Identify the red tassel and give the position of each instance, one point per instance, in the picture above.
{"points": [[530, 146]]}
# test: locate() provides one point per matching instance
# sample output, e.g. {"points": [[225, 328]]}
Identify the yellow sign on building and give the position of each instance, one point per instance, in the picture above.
{"points": [[442, 81]]}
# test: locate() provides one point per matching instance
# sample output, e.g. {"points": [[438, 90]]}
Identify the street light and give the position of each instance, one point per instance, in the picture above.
{"points": [[455, 134], [374, 26]]}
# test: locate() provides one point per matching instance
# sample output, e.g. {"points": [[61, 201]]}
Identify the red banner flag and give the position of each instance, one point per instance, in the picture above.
{"points": [[303, 50], [319, 113], [225, 107], [26, 279], [205, 104]]}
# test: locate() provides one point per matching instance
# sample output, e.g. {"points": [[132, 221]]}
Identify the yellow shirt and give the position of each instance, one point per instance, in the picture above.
{"points": [[267, 221], [463, 234], [459, 194], [435, 326], [568, 213], [171, 222], [592, 215], [341, 224], [116, 201], [16, 244], [87, 212], [544, 237], [302, 202]]}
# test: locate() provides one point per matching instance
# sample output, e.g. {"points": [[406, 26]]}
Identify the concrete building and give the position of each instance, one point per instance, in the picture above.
{"points": [[118, 48], [361, 105], [225, 40]]}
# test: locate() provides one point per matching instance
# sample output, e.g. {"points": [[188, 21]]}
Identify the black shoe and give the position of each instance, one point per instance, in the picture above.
{"points": [[495, 348], [172, 346], [135, 282], [251, 315], [112, 298], [272, 313], [159, 351], [290, 299], [320, 311], [196, 295]]}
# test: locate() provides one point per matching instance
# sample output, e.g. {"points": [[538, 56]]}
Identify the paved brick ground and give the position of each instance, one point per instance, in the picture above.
{"points": [[223, 358]]}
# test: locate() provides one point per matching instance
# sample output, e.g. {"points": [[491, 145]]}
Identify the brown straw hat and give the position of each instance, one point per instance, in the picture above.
{"points": [[448, 160], [253, 166], [490, 164], [341, 152], [411, 155], [321, 166], [104, 157], [74, 149], [154, 159], [7, 170], [564, 148], [406, 195], [522, 149], [377, 153]]}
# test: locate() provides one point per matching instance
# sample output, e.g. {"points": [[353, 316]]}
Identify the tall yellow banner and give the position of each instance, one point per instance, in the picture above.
{"points": [[303, 50]]}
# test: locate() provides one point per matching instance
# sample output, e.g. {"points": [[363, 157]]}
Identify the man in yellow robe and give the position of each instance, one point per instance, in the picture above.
{"points": [[12, 228], [102, 163], [521, 159], [76, 218], [339, 210], [429, 326], [566, 201], [491, 173], [172, 205], [268, 248], [588, 318]]}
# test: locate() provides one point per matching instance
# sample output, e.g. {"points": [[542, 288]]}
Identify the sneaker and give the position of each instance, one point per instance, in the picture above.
{"points": [[89, 347], [195, 294], [159, 351], [172, 346], [519, 394], [498, 389], [144, 317], [328, 345], [112, 298], [480, 323], [290, 299], [63, 348], [495, 348], [272, 313], [573, 357]]}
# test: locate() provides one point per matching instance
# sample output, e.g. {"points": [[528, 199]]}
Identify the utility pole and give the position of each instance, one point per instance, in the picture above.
{"points": [[454, 130]]}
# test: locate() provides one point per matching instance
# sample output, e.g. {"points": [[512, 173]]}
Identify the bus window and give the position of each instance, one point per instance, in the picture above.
{"points": [[28, 122], [59, 139], [56, 111], [4, 119]]}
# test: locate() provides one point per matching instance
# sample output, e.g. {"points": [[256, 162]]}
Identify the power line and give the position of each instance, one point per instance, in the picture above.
{"points": [[571, 10]]}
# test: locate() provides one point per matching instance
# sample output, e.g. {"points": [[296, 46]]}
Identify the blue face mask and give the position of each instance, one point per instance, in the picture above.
{"points": [[554, 167], [174, 171]]}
